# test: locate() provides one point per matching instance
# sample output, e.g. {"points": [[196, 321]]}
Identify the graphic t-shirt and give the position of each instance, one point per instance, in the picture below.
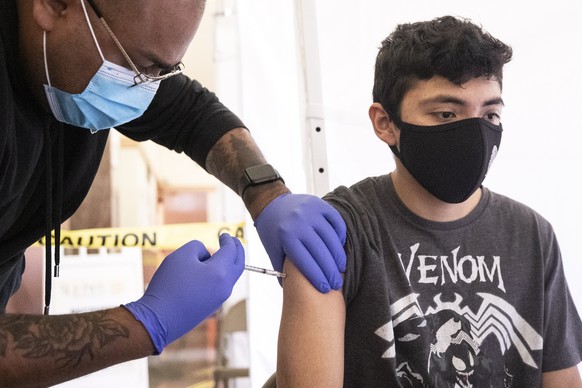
{"points": [[477, 302]]}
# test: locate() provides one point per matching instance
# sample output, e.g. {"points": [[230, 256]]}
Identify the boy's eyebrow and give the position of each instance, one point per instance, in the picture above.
{"points": [[447, 99], [494, 101]]}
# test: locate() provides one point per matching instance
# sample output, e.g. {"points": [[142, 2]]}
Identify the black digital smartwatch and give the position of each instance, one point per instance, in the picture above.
{"points": [[258, 175]]}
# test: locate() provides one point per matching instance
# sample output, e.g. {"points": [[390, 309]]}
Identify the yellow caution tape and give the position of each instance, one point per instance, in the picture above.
{"points": [[159, 237]]}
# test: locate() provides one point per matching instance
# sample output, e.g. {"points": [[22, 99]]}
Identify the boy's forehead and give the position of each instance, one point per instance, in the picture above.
{"points": [[439, 89]]}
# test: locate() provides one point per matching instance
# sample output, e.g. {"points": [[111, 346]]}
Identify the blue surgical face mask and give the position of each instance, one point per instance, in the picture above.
{"points": [[111, 98]]}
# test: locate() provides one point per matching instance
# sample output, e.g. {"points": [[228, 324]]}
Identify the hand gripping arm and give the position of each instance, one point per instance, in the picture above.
{"points": [[308, 231]]}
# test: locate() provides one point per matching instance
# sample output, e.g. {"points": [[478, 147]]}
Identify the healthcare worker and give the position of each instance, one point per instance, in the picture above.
{"points": [[69, 71]]}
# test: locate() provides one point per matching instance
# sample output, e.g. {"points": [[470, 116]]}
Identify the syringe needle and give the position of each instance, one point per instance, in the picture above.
{"points": [[265, 271]]}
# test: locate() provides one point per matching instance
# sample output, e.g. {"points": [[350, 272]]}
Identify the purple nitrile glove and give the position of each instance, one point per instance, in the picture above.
{"points": [[188, 286], [310, 232]]}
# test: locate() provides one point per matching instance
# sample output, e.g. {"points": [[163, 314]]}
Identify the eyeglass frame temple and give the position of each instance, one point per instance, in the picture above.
{"points": [[138, 74]]}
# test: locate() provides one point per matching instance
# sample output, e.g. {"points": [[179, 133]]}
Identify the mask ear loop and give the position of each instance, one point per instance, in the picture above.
{"points": [[48, 79], [91, 29]]}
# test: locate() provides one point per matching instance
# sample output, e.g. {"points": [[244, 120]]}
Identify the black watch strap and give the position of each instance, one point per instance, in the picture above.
{"points": [[258, 175]]}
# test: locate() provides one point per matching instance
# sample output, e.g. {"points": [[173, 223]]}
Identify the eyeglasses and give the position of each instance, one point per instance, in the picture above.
{"points": [[139, 76]]}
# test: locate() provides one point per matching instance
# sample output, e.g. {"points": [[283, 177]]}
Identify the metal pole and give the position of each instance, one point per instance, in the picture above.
{"points": [[313, 108]]}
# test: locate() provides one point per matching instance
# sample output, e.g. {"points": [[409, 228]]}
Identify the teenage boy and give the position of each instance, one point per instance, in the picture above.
{"points": [[448, 284]]}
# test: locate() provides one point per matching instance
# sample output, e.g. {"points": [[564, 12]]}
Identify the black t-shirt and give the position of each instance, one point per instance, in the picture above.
{"points": [[183, 116], [480, 302]]}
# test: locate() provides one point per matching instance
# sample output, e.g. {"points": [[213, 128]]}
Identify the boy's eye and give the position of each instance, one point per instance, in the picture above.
{"points": [[446, 115], [493, 117]]}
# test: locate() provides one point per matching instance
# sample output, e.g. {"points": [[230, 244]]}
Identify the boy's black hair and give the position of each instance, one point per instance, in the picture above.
{"points": [[450, 47]]}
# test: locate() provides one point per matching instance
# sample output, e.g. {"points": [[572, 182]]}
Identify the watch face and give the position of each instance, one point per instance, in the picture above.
{"points": [[262, 173], [258, 175]]}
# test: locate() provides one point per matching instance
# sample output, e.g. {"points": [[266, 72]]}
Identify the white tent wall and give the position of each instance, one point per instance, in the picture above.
{"points": [[540, 159], [257, 77]]}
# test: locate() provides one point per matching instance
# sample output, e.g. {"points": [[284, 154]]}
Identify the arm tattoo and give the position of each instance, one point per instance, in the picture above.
{"points": [[69, 339], [234, 152]]}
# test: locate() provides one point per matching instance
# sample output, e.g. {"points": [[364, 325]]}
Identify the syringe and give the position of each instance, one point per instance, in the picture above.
{"points": [[265, 271]]}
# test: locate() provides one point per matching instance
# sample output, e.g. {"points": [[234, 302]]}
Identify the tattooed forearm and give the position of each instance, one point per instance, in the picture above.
{"points": [[233, 152], [41, 351], [68, 339], [227, 160]]}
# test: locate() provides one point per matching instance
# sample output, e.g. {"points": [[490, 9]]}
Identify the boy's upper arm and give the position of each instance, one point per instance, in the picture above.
{"points": [[569, 377], [311, 335]]}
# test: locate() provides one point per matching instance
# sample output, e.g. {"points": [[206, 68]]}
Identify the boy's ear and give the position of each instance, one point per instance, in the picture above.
{"points": [[384, 126], [46, 12]]}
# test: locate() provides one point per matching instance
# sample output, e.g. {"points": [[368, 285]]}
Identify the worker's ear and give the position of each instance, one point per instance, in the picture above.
{"points": [[47, 12], [384, 126]]}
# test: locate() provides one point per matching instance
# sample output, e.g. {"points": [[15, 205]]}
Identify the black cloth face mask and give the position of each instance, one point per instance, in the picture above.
{"points": [[449, 160]]}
